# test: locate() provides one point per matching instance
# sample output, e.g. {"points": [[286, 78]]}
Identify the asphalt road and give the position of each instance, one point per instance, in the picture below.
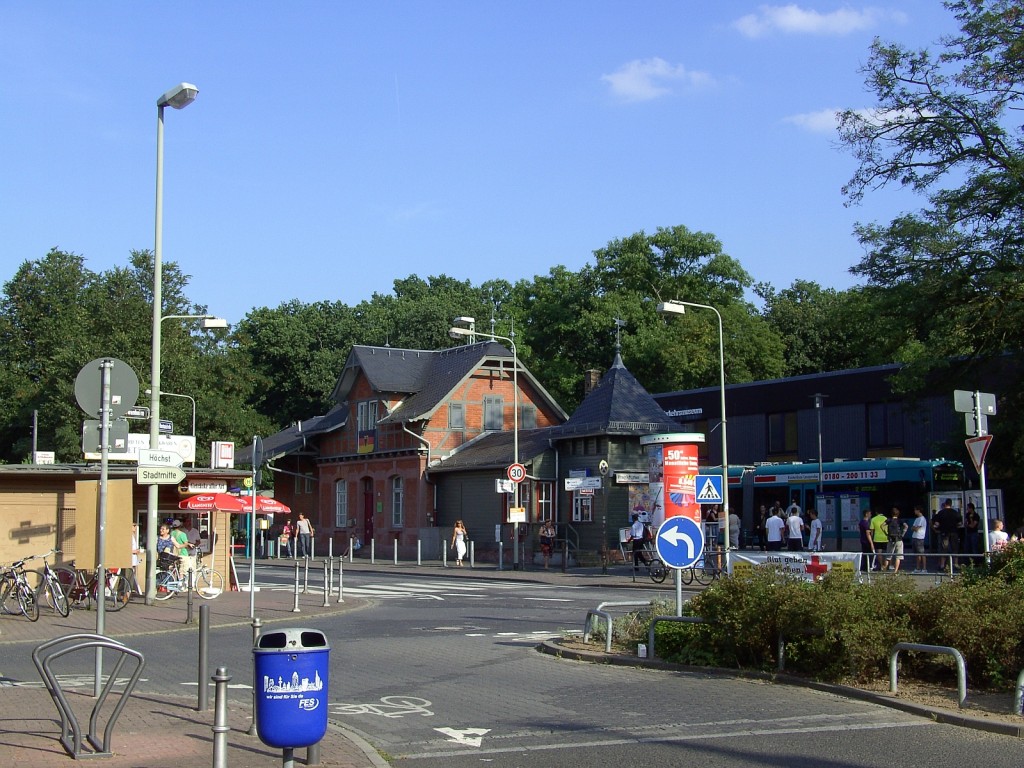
{"points": [[443, 672]]}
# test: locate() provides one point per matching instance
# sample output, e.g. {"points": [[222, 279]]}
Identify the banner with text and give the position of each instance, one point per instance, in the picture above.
{"points": [[809, 566]]}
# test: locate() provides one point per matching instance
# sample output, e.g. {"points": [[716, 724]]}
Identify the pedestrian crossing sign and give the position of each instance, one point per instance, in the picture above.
{"points": [[709, 489]]}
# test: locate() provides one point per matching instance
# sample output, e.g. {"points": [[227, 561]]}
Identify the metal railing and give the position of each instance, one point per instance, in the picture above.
{"points": [[961, 666], [600, 612]]}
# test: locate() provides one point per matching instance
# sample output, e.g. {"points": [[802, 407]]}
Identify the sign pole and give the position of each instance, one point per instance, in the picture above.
{"points": [[981, 473]]}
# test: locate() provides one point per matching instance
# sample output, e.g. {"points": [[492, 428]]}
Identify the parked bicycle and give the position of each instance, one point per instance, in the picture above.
{"points": [[50, 587], [83, 588], [656, 569], [16, 594], [703, 572]]}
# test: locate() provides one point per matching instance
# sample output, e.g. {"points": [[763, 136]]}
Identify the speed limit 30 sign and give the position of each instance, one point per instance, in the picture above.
{"points": [[516, 473]]}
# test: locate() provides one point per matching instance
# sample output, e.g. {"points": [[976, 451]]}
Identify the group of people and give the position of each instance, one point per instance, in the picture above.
{"points": [[778, 529], [177, 538], [296, 539], [881, 536]]}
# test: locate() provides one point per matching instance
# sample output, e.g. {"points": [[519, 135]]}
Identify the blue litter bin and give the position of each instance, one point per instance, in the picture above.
{"points": [[290, 674]]}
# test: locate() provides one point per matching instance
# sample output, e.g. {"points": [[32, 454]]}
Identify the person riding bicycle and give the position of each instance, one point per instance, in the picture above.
{"points": [[636, 535]]}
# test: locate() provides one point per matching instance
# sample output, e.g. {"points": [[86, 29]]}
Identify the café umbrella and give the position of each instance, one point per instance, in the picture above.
{"points": [[207, 502]]}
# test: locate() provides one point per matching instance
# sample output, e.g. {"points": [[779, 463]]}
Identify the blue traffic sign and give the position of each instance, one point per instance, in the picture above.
{"points": [[709, 489], [680, 542]]}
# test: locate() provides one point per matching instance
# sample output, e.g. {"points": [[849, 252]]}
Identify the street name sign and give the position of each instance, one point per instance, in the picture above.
{"points": [[152, 458], [159, 475]]}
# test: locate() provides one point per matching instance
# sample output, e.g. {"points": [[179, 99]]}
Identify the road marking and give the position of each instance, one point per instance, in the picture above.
{"points": [[469, 736], [390, 706]]}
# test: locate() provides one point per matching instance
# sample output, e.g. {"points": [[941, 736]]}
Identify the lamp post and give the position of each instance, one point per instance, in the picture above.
{"points": [[679, 308], [187, 397], [178, 97], [458, 333]]}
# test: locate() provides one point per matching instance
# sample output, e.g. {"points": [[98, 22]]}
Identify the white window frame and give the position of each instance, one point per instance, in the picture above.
{"points": [[545, 501], [397, 501], [340, 504]]}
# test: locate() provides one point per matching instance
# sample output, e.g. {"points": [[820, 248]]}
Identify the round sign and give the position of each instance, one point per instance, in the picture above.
{"points": [[516, 473], [123, 383]]}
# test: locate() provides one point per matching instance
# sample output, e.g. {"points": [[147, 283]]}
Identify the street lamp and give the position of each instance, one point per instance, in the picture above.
{"points": [[187, 397], [458, 333], [178, 97], [679, 308]]}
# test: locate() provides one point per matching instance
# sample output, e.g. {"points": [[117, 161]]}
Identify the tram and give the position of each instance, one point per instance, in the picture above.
{"points": [[846, 489]]}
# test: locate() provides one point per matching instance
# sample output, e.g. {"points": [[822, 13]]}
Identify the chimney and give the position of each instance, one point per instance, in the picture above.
{"points": [[591, 378]]}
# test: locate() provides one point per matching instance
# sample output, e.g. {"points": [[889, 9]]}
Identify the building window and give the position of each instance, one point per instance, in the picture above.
{"points": [[885, 425], [298, 484], [591, 446], [456, 416], [494, 413], [582, 508], [366, 415], [782, 432], [527, 416], [545, 506], [340, 504], [397, 496], [309, 484]]}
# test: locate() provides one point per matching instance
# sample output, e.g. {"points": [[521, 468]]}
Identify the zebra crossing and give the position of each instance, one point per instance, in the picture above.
{"points": [[430, 589]]}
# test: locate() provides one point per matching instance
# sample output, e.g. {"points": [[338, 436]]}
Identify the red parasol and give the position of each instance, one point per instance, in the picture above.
{"points": [[267, 505], [205, 502]]}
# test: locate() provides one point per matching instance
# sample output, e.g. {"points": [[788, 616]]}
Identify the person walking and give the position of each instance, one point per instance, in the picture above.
{"points": [[547, 540], [459, 538], [304, 530]]}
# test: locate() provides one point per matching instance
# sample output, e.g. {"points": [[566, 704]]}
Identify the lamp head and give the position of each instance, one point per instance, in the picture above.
{"points": [[209, 323], [179, 97], [459, 333], [671, 308]]}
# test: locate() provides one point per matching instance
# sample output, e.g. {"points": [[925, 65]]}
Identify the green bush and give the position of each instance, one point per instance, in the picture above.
{"points": [[839, 629]]}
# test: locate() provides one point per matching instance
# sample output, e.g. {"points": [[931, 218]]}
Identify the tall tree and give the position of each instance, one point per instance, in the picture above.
{"points": [[944, 126]]}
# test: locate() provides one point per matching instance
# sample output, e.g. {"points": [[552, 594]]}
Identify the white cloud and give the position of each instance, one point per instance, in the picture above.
{"points": [[792, 19], [643, 80], [822, 121]]}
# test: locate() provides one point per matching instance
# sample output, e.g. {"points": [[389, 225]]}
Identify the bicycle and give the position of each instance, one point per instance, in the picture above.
{"points": [[83, 588], [704, 572], [206, 582], [50, 586], [656, 569], [15, 589]]}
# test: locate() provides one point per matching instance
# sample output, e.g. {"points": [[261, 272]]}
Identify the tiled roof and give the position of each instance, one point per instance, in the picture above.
{"points": [[618, 405], [495, 450], [293, 439]]}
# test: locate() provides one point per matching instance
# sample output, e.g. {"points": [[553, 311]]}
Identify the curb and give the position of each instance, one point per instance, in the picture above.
{"points": [[944, 716]]}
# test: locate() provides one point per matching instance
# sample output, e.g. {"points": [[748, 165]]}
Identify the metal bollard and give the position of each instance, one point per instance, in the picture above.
{"points": [[305, 576], [257, 624], [501, 555], [203, 702], [189, 584], [313, 754], [396, 551], [327, 587], [341, 585], [444, 555], [220, 718], [472, 554], [351, 547], [295, 607], [373, 551], [419, 552]]}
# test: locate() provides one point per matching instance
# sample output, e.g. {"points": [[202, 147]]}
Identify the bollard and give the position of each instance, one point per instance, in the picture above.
{"points": [[330, 548], [472, 554], [444, 555], [501, 555], [305, 576], [295, 607], [203, 702], [341, 586], [419, 552], [351, 547], [257, 624], [188, 601], [373, 551], [327, 588], [313, 754], [220, 718], [396, 551]]}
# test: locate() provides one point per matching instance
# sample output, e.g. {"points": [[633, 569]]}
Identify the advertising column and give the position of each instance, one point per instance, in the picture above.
{"points": [[672, 474]]}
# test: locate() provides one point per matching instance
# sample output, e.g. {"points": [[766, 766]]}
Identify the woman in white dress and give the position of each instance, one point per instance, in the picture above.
{"points": [[459, 536]]}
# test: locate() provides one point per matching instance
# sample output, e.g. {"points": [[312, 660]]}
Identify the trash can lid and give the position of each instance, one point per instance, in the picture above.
{"points": [[292, 639]]}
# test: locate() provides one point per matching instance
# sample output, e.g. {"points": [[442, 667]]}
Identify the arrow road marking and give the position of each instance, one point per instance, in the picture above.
{"points": [[673, 536], [471, 737]]}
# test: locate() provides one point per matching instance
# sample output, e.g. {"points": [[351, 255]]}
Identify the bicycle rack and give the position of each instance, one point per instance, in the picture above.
{"points": [[70, 729]]}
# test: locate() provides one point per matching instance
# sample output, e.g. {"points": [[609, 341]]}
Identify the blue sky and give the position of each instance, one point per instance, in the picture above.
{"points": [[337, 146]]}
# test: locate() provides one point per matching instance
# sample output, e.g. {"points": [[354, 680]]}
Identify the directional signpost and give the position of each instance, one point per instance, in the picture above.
{"points": [[680, 542], [159, 475]]}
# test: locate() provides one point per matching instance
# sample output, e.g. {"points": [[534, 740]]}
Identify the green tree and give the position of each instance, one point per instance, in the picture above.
{"points": [[944, 127]]}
